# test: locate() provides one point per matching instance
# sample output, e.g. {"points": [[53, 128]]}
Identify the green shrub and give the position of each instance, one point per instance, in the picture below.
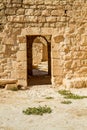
{"points": [[64, 92], [68, 95], [74, 96], [37, 111], [66, 102], [49, 98], [14, 89]]}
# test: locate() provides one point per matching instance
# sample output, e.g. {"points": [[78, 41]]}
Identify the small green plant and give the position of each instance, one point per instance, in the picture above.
{"points": [[49, 98], [74, 96], [66, 102], [64, 92], [68, 95], [14, 89], [37, 110]]}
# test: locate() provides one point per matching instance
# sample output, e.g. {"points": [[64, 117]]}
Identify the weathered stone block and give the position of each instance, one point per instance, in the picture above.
{"points": [[68, 64], [46, 12], [10, 11], [22, 47], [7, 81], [51, 19], [29, 12], [18, 19], [9, 41], [30, 19], [48, 2], [41, 19], [58, 38], [21, 73], [16, 1], [1, 69], [29, 2], [20, 11], [55, 12], [2, 13], [75, 83], [21, 56], [11, 87], [21, 39], [2, 49], [1, 6]]}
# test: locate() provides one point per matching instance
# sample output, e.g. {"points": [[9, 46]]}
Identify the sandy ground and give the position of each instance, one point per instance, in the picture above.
{"points": [[63, 117]]}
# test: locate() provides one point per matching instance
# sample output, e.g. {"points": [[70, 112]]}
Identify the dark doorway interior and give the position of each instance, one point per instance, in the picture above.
{"points": [[38, 60]]}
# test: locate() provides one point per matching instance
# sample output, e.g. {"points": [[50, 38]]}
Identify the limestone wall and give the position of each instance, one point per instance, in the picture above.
{"points": [[64, 20], [37, 53]]}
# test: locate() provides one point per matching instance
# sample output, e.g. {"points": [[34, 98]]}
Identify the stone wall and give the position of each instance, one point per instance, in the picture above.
{"points": [[37, 53], [64, 20]]}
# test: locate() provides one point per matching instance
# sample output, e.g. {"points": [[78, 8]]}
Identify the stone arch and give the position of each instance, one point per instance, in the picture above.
{"points": [[40, 49]]}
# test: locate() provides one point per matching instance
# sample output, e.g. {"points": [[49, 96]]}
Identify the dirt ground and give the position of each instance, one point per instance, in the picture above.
{"points": [[63, 117]]}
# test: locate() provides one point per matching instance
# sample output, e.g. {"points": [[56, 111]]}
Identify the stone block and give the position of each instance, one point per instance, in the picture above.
{"points": [[22, 47], [10, 41], [45, 13], [68, 64], [21, 56], [18, 19], [56, 62], [41, 19], [11, 87], [57, 71], [30, 2], [23, 82], [1, 69], [22, 74], [31, 19], [83, 70], [13, 73], [16, 1], [57, 81], [55, 12], [46, 31], [10, 11], [20, 11], [2, 49], [21, 65], [75, 82], [51, 19], [21, 39], [1, 6], [7, 81], [58, 38], [29, 12], [2, 13], [48, 2]]}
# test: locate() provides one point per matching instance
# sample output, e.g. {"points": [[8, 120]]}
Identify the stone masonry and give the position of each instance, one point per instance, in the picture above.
{"points": [[64, 20]]}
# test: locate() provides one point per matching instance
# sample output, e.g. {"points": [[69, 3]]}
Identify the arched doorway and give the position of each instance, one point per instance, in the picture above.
{"points": [[38, 60]]}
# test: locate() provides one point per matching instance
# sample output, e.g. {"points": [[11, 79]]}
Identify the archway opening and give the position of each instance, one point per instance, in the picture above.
{"points": [[38, 60]]}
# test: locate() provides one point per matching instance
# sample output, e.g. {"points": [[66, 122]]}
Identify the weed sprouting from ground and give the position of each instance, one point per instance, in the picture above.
{"points": [[64, 92], [68, 95], [14, 89], [66, 102], [37, 110], [49, 98]]}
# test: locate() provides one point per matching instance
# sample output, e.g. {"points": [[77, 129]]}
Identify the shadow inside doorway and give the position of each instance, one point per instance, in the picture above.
{"points": [[39, 80], [38, 60]]}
